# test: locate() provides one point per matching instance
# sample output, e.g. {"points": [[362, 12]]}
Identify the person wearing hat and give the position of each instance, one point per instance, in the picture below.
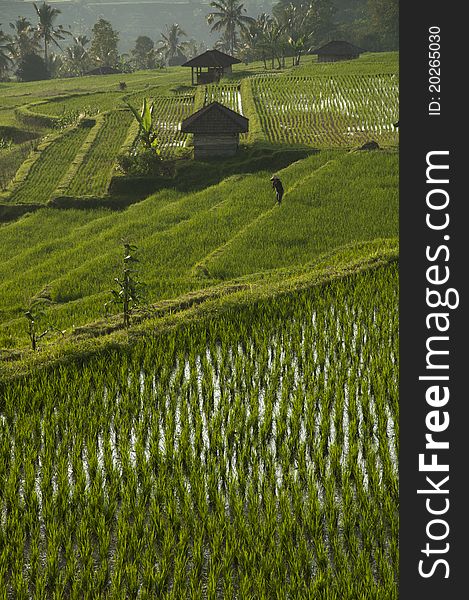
{"points": [[278, 187]]}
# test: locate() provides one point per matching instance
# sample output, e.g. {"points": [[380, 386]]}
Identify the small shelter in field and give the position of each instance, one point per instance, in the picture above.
{"points": [[217, 64], [216, 130], [337, 50]]}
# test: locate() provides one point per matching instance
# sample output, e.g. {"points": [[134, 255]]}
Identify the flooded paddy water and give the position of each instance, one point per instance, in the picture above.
{"points": [[223, 438]]}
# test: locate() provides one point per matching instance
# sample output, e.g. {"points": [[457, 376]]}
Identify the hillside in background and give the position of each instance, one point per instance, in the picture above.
{"points": [[131, 18], [353, 20]]}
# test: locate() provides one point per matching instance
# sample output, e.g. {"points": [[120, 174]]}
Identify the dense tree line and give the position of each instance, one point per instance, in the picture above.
{"points": [[25, 51], [48, 49]]}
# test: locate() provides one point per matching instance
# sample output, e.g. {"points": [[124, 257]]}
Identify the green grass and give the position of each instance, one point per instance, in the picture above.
{"points": [[370, 62], [79, 92], [328, 111], [168, 113], [11, 159], [93, 103], [214, 454], [315, 105], [350, 198], [47, 171], [94, 174], [241, 438], [185, 243], [188, 241]]}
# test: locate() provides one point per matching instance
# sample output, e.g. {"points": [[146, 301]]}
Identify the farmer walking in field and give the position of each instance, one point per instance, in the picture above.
{"points": [[278, 187]]}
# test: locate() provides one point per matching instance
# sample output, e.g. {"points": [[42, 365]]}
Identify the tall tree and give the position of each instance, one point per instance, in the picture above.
{"points": [[260, 42], [32, 67], [77, 60], [47, 30], [6, 51], [274, 41], [194, 48], [229, 17], [312, 19], [385, 18], [103, 49], [224, 43], [300, 22], [143, 53], [25, 38], [170, 42], [55, 64]]}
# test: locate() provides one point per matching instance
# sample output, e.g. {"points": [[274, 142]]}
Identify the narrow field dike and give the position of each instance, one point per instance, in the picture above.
{"points": [[47, 171], [200, 463]]}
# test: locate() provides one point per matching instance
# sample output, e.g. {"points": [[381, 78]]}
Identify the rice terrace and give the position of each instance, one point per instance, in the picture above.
{"points": [[239, 438]]}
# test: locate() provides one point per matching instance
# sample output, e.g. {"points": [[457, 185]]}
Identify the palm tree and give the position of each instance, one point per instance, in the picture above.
{"points": [[229, 17], [273, 40], [143, 53], [6, 50], [193, 48], [77, 60], [224, 43], [298, 22], [254, 39], [82, 41], [25, 39], [170, 44], [46, 28]]}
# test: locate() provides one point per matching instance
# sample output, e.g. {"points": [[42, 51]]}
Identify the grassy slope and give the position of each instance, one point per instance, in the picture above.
{"points": [[36, 188], [40, 101], [352, 197], [210, 303], [191, 240]]}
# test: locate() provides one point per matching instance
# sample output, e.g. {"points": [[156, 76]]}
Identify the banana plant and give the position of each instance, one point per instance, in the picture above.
{"points": [[34, 336], [131, 291], [146, 134], [35, 314]]}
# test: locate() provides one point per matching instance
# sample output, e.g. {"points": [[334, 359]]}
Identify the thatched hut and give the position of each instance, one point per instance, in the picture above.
{"points": [[217, 64], [216, 130], [337, 50]]}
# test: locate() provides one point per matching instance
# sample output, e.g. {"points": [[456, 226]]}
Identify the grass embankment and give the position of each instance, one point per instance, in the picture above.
{"points": [[44, 170], [188, 241], [202, 462], [206, 303], [350, 197], [94, 173]]}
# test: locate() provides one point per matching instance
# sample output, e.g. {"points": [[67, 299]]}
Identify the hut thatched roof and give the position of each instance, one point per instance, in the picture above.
{"points": [[338, 48], [215, 118], [212, 58]]}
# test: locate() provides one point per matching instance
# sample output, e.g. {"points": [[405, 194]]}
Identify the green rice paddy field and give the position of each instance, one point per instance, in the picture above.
{"points": [[240, 440]]}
